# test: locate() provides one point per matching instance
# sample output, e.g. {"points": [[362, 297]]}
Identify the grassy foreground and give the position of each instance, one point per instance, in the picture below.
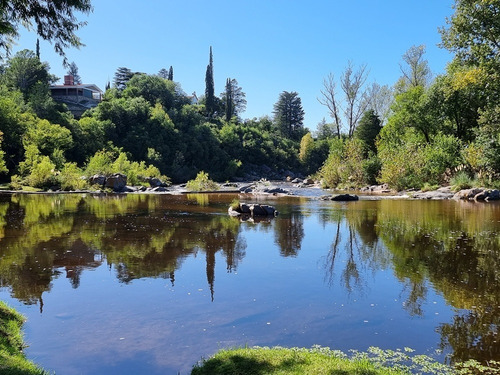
{"points": [[288, 361], [12, 359]]}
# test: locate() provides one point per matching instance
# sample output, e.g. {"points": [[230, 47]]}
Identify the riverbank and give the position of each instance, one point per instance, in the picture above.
{"points": [[318, 360], [306, 188], [12, 358]]}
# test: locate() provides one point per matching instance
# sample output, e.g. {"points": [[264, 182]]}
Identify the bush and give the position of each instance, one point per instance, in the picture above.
{"points": [[70, 177], [346, 166], [412, 162], [202, 182], [461, 181], [42, 174], [100, 163]]}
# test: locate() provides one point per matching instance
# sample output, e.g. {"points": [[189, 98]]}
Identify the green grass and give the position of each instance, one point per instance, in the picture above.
{"points": [[12, 359], [294, 361], [462, 181], [429, 187]]}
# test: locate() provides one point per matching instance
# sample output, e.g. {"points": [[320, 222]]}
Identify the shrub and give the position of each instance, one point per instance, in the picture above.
{"points": [[202, 182], [42, 174], [461, 181], [16, 183], [100, 163], [70, 177]]}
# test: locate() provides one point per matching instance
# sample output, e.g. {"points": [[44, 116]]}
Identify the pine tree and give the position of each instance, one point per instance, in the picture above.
{"points": [[209, 87], [289, 115], [163, 73], [233, 99], [368, 129], [122, 76], [73, 71]]}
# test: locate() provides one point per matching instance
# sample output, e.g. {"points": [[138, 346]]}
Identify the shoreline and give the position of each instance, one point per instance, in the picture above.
{"points": [[289, 189]]}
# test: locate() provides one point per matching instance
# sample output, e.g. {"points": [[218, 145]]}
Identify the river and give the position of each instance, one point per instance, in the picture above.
{"points": [[150, 284]]}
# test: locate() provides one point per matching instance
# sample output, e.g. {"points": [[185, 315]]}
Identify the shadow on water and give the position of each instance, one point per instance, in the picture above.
{"points": [[453, 247]]}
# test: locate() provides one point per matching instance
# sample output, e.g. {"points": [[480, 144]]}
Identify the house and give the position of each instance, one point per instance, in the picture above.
{"points": [[78, 98]]}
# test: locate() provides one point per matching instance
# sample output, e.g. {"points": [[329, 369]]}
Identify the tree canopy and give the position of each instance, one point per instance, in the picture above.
{"points": [[289, 115], [54, 21]]}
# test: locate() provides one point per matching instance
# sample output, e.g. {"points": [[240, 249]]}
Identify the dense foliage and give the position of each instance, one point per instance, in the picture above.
{"points": [[54, 21], [145, 118], [434, 129]]}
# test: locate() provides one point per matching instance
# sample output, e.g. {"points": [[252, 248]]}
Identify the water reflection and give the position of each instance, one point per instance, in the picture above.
{"points": [[452, 248], [42, 235]]}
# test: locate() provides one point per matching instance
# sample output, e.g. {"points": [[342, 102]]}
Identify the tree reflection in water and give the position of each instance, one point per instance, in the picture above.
{"points": [[451, 247], [43, 236]]}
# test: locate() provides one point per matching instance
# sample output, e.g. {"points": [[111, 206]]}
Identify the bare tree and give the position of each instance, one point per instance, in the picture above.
{"points": [[352, 83], [416, 71], [379, 99], [329, 100]]}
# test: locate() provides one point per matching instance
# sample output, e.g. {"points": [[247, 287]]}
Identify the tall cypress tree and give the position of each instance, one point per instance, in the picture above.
{"points": [[38, 48], [209, 87], [229, 100], [171, 73]]}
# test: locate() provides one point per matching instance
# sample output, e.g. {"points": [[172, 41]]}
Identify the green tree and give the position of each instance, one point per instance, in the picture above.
{"points": [[54, 21], [170, 73], [73, 71], [233, 99], [24, 71], [289, 115], [306, 147], [325, 130], [3, 167], [209, 87], [228, 100], [368, 130], [474, 31], [14, 121], [152, 88], [163, 73], [122, 76], [414, 109]]}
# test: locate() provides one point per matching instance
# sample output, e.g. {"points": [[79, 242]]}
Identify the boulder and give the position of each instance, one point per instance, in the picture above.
{"points": [[275, 190], [494, 195], [116, 182], [308, 181], [244, 208], [467, 194], [155, 182], [270, 210], [344, 198], [481, 196], [433, 195], [97, 179], [257, 210]]}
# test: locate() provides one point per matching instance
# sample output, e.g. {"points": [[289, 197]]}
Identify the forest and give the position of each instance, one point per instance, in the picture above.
{"points": [[421, 132]]}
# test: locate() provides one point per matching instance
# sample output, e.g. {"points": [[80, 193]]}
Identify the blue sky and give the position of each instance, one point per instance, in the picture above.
{"points": [[269, 46]]}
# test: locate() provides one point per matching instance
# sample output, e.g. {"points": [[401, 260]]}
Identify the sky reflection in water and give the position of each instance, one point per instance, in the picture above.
{"points": [[150, 284]]}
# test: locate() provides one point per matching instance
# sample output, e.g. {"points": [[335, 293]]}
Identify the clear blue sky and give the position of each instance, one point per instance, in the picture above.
{"points": [[269, 46]]}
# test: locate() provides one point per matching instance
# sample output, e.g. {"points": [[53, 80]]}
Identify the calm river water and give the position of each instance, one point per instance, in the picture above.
{"points": [[150, 284]]}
